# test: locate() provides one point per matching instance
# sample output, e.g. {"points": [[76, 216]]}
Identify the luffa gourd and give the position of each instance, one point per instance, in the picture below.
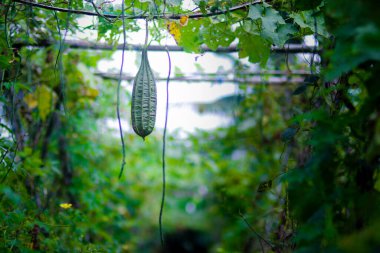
{"points": [[144, 97]]}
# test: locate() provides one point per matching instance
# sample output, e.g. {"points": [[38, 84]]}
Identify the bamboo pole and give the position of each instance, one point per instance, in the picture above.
{"points": [[81, 44], [280, 80]]}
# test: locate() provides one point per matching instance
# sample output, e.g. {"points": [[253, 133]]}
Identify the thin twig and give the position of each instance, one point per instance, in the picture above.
{"points": [[11, 165], [255, 232], [59, 62], [118, 94], [164, 150], [5, 154], [102, 15], [60, 41]]}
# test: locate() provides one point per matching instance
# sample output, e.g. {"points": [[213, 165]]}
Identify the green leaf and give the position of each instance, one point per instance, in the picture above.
{"points": [[353, 48], [20, 86], [271, 18], [255, 47], [4, 62], [255, 11], [283, 34], [305, 20], [178, 72], [268, 23], [202, 6], [8, 85], [190, 36], [11, 195], [219, 34]]}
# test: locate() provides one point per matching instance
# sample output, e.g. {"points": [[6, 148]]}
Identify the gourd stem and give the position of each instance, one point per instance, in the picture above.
{"points": [[146, 34]]}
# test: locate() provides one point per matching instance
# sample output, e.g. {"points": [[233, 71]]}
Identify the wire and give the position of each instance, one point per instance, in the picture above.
{"points": [[118, 93], [164, 151]]}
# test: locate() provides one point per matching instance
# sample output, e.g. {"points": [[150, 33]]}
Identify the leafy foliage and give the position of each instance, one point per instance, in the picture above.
{"points": [[297, 170]]}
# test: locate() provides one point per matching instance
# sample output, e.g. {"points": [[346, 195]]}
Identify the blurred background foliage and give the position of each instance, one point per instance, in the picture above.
{"points": [[297, 170]]}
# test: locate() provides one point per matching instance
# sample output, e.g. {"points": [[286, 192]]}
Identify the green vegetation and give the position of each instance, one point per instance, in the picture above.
{"points": [[296, 171]]}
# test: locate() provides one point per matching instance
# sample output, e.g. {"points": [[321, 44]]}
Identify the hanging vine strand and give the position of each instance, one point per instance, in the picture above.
{"points": [[118, 95], [164, 151]]}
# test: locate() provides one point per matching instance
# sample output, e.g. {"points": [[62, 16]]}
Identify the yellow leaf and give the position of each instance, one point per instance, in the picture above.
{"points": [[173, 29], [31, 100], [183, 20], [90, 92], [66, 205], [46, 99]]}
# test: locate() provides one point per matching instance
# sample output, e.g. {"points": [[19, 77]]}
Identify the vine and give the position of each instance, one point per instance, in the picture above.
{"points": [[118, 94], [164, 152], [310, 146]]}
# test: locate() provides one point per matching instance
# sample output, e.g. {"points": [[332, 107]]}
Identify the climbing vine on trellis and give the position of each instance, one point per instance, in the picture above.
{"points": [[325, 177]]}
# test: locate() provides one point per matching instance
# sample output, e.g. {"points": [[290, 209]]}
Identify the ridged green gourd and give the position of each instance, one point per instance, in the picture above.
{"points": [[144, 99]]}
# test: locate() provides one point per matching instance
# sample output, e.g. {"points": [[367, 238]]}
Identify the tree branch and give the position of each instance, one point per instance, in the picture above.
{"points": [[171, 16]]}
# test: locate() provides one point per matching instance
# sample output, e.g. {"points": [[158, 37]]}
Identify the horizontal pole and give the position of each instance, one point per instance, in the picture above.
{"points": [[256, 73], [247, 81], [81, 44], [160, 16]]}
